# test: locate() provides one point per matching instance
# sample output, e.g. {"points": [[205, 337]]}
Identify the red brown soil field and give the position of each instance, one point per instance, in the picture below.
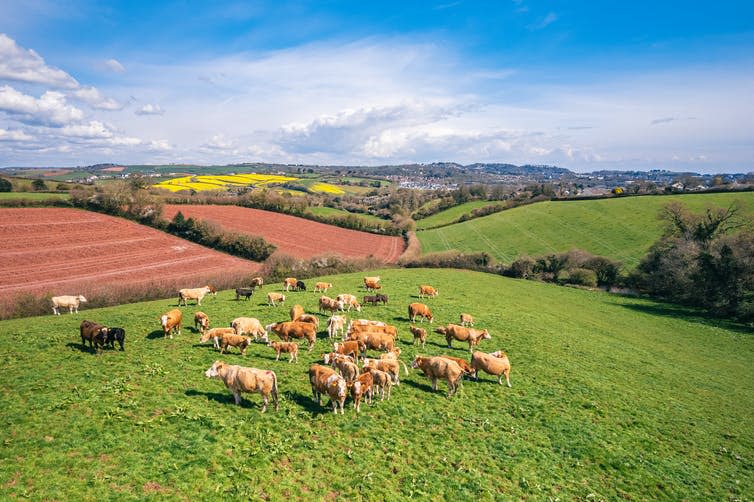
{"points": [[297, 237], [71, 252]]}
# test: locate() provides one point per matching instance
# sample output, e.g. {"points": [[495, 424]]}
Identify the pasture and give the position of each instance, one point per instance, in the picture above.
{"points": [[451, 214], [35, 196], [620, 228], [612, 398], [330, 212]]}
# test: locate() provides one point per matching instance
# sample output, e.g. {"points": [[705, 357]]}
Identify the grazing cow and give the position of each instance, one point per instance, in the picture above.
{"points": [[296, 312], [275, 297], [351, 348], [372, 328], [438, 367], [300, 286], [322, 287], [67, 301], [495, 363], [372, 286], [419, 310], [116, 335], [216, 335], [381, 381], [256, 282], [375, 299], [311, 319], [336, 324], [193, 294], [240, 379], [463, 334], [467, 320], [294, 329], [249, 326], [290, 347], [419, 334], [328, 304], [325, 380], [362, 387], [94, 333], [427, 291], [245, 292], [345, 366], [171, 321], [233, 340], [201, 321], [379, 340], [289, 282], [374, 279], [463, 363], [390, 366], [349, 301]]}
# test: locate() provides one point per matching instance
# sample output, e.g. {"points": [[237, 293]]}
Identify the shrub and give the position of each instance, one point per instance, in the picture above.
{"points": [[582, 277], [5, 185], [521, 268], [38, 185]]}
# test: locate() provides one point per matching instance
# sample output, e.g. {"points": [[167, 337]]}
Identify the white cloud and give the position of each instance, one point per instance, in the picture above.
{"points": [[51, 109], [25, 65], [114, 65], [150, 109], [94, 98], [550, 18], [13, 135]]}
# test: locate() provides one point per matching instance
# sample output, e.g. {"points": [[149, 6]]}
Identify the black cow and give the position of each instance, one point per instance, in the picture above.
{"points": [[94, 333], [247, 292], [116, 335], [374, 300], [300, 286]]}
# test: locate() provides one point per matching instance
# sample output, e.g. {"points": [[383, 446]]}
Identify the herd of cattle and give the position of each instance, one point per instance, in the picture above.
{"points": [[340, 372]]}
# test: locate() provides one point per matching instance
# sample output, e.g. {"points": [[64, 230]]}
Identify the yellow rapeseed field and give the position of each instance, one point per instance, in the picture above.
{"points": [[220, 182], [326, 188]]}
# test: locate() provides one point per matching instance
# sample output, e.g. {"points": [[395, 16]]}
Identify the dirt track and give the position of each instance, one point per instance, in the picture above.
{"points": [[297, 237], [67, 251]]}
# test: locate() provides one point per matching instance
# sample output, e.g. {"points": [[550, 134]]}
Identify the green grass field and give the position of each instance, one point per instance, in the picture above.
{"points": [[612, 398], [452, 214], [334, 212], [32, 196], [622, 228]]}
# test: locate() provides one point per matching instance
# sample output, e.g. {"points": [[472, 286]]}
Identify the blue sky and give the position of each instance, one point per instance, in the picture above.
{"points": [[583, 85]]}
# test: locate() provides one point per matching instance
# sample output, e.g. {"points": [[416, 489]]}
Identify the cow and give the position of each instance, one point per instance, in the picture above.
{"points": [[116, 335], [275, 297], [67, 301], [296, 312], [346, 367], [289, 282], [427, 291], [466, 320], [322, 287], [362, 387], [328, 304], [390, 366], [336, 324], [375, 299], [294, 329], [365, 322], [193, 294], [419, 334], [245, 292], [372, 328], [381, 381], [325, 380], [216, 335], [233, 340], [311, 319], [171, 322], [438, 367], [463, 334], [349, 301], [300, 286], [372, 286], [249, 326], [201, 321], [419, 310], [495, 363], [290, 347], [375, 279], [256, 282], [463, 363], [393, 354], [94, 333], [240, 379], [349, 348], [379, 340]]}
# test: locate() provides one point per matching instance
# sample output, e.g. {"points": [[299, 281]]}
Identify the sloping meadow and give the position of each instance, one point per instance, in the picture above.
{"points": [[612, 397]]}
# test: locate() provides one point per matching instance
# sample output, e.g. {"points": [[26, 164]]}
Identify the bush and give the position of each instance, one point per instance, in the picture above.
{"points": [[38, 185], [522, 268], [455, 259], [5, 185], [582, 277]]}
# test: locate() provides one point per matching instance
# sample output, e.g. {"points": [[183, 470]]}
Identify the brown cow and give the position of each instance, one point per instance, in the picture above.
{"points": [[290, 347], [329, 304], [495, 363], [363, 386], [296, 312], [216, 334], [427, 291], [322, 287], [463, 363], [240, 379], [289, 282], [463, 334], [273, 297], [419, 310], [378, 340], [256, 282], [438, 367], [350, 348], [390, 366], [311, 319], [171, 321], [201, 321], [381, 381], [294, 329], [467, 320], [419, 334], [325, 380], [94, 333]]}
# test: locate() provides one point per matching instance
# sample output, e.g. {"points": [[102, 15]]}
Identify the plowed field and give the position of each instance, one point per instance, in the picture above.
{"points": [[297, 237], [67, 251]]}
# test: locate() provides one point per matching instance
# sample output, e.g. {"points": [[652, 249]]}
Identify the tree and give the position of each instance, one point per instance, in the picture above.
{"points": [[38, 185], [701, 228], [5, 185]]}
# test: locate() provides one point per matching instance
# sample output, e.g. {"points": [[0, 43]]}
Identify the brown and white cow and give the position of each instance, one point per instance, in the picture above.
{"points": [[171, 322], [463, 363], [240, 379], [296, 312], [390, 366], [381, 381], [427, 291], [362, 387], [216, 335], [349, 301], [335, 325], [289, 282], [421, 311], [311, 319], [325, 380], [351, 348], [438, 367], [328, 304], [290, 347], [256, 282]]}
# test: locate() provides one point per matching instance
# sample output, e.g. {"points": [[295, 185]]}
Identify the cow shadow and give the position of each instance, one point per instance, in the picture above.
{"points": [[158, 333], [224, 398], [418, 385], [80, 346], [307, 402]]}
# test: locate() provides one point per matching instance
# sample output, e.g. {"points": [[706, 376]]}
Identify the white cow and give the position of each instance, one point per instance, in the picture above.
{"points": [[72, 302]]}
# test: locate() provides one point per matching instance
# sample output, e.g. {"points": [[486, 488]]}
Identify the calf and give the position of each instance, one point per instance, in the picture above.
{"points": [[171, 322], [322, 287], [375, 299], [275, 297], [349, 348], [427, 291], [381, 381], [347, 369], [495, 363], [201, 321], [245, 292], [116, 335], [335, 325], [438, 367], [240, 379], [324, 380], [233, 340], [467, 320], [389, 366], [419, 310], [94, 333], [290, 347], [300, 286], [329, 304], [67, 301], [216, 335], [363, 386], [349, 301], [419, 334]]}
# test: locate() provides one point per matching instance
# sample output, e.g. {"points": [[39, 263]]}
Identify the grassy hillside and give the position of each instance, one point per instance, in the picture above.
{"points": [[611, 398], [622, 229], [452, 214], [334, 212], [32, 196]]}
